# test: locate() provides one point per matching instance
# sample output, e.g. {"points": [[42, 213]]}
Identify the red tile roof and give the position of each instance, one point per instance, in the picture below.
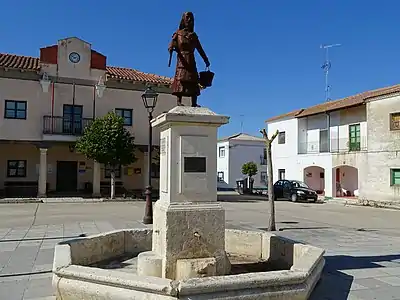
{"points": [[287, 115], [347, 102], [13, 61], [135, 75], [27, 63]]}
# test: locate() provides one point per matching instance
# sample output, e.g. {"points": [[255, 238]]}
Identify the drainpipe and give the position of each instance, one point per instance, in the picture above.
{"points": [[52, 99], [328, 119], [52, 107], [94, 103]]}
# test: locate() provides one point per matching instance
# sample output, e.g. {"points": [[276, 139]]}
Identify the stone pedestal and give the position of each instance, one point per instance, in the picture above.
{"points": [[188, 222], [183, 231]]}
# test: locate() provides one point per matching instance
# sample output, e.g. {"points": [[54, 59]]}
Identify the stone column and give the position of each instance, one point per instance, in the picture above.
{"points": [[42, 173], [188, 222], [96, 179], [330, 186]]}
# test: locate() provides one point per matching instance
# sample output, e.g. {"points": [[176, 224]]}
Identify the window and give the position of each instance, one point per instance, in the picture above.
{"points": [[126, 114], [354, 137], [281, 137], [281, 174], [107, 171], [323, 140], [220, 176], [395, 121], [15, 110], [287, 184], [16, 168], [72, 119], [155, 170], [221, 151], [263, 157], [263, 176], [395, 177]]}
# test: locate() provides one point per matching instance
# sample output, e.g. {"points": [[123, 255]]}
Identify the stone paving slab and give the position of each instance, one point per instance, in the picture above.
{"points": [[359, 264]]}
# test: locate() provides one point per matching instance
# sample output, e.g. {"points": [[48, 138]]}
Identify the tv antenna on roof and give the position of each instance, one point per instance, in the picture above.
{"points": [[241, 123], [326, 67]]}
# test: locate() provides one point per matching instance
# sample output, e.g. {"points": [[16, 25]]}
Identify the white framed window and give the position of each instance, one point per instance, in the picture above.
{"points": [[220, 176], [221, 151]]}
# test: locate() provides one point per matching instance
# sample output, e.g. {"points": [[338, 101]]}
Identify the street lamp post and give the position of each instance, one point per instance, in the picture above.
{"points": [[149, 98]]}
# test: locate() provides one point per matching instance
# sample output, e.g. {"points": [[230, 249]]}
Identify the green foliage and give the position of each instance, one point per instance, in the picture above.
{"points": [[249, 169], [107, 141]]}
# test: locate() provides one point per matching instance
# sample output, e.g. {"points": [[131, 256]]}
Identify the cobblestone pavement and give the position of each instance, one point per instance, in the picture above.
{"points": [[363, 244]]}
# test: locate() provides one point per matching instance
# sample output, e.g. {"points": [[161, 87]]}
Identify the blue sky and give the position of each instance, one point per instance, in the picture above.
{"points": [[265, 53]]}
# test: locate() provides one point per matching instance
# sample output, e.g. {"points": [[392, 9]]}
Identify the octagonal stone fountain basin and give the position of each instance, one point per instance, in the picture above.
{"points": [[264, 266]]}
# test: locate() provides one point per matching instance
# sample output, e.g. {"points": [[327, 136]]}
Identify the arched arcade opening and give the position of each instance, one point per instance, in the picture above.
{"points": [[314, 177], [345, 181]]}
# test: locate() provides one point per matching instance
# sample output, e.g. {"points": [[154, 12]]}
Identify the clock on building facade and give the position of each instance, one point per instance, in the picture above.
{"points": [[74, 57]]}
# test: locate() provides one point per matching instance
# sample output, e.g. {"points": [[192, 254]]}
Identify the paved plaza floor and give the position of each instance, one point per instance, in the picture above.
{"points": [[362, 244]]}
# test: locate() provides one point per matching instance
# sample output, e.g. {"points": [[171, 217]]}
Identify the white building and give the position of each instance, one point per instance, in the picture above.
{"points": [[233, 152], [345, 147]]}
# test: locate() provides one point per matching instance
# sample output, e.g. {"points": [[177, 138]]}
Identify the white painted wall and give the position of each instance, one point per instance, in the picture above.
{"points": [[223, 164], [284, 156], [237, 153], [242, 152], [303, 150]]}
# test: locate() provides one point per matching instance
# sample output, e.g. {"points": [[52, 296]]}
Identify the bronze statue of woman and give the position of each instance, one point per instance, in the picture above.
{"points": [[184, 42]]}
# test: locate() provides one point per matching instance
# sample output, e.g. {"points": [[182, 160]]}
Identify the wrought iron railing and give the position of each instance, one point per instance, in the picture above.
{"points": [[65, 125], [334, 146]]}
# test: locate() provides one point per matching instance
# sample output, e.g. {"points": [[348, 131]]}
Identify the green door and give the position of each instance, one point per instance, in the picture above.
{"points": [[354, 137]]}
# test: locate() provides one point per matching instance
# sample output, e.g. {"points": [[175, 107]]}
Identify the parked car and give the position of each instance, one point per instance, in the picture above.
{"points": [[294, 190]]}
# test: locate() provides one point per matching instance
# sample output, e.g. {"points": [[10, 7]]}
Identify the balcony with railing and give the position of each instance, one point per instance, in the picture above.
{"points": [[338, 145], [263, 160], [56, 125]]}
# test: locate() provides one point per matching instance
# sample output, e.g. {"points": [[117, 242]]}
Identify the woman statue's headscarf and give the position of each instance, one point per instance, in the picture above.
{"points": [[183, 25]]}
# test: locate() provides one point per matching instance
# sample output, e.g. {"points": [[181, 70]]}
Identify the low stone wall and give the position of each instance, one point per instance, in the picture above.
{"points": [[75, 279], [267, 246], [86, 251]]}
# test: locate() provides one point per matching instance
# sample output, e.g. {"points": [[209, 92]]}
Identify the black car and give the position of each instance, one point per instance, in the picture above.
{"points": [[294, 190]]}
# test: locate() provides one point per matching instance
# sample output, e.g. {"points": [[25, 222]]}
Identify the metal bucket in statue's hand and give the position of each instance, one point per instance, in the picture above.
{"points": [[206, 78]]}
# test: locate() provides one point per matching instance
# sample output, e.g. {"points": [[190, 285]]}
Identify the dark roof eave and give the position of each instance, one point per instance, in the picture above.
{"points": [[329, 110]]}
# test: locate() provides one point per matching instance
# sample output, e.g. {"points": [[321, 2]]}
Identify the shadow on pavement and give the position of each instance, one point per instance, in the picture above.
{"points": [[335, 284], [44, 238], [25, 274], [287, 222], [302, 228], [295, 228], [241, 198]]}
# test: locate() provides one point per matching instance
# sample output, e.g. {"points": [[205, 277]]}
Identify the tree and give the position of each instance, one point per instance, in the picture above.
{"points": [[108, 142], [250, 169], [271, 196]]}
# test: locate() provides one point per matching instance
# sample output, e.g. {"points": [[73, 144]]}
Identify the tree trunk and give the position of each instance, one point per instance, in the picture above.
{"points": [[251, 184], [271, 196], [112, 184]]}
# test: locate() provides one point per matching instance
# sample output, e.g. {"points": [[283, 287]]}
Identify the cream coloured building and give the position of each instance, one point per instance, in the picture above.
{"points": [[46, 101]]}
